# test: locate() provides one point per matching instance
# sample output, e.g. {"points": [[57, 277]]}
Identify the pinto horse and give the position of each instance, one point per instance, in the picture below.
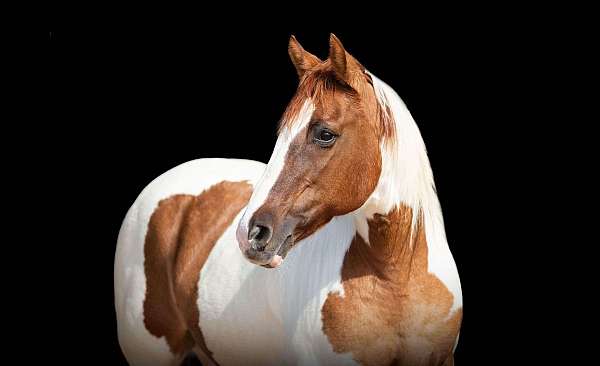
{"points": [[332, 254]]}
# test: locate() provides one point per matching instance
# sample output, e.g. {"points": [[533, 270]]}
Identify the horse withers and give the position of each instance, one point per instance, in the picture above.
{"points": [[332, 254]]}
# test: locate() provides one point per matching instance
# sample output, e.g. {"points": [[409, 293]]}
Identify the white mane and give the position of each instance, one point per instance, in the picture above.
{"points": [[406, 178], [406, 175]]}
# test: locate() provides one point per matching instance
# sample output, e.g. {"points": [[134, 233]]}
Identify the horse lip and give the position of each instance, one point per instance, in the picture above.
{"points": [[281, 250], [285, 246]]}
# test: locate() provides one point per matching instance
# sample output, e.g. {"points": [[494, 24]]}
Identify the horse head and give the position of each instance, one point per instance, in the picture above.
{"points": [[327, 158]]}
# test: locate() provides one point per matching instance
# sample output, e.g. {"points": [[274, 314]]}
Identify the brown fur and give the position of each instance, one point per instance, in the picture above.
{"points": [[394, 312], [303, 61], [181, 233]]}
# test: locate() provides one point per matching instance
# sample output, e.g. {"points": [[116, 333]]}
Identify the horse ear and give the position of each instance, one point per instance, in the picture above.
{"points": [[301, 59], [344, 65]]}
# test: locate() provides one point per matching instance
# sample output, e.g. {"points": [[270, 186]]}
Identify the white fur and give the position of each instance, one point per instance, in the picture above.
{"points": [[256, 316]]}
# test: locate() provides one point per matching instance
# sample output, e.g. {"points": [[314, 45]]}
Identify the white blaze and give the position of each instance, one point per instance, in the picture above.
{"points": [[277, 161]]}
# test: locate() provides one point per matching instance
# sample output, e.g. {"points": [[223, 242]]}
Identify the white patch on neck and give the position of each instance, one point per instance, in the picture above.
{"points": [[277, 161], [312, 271], [406, 178]]}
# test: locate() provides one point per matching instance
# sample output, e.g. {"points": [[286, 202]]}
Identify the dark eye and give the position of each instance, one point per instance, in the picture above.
{"points": [[324, 137]]}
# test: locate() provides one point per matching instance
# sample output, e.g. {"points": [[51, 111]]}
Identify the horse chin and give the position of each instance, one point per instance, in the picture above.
{"points": [[275, 262]]}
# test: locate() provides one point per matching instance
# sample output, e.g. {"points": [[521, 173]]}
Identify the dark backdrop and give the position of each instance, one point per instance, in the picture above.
{"points": [[128, 105]]}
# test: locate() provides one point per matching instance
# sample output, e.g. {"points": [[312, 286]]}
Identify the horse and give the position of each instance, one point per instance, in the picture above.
{"points": [[334, 253]]}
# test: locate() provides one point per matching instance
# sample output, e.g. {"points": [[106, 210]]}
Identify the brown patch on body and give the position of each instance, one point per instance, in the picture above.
{"points": [[394, 312], [181, 234]]}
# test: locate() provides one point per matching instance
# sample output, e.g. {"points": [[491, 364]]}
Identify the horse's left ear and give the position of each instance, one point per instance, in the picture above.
{"points": [[301, 59], [344, 64]]}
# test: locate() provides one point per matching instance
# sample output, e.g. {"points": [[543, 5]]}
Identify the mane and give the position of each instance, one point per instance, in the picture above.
{"points": [[406, 176]]}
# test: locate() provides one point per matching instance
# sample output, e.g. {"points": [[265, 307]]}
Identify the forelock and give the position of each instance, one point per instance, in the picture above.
{"points": [[320, 87]]}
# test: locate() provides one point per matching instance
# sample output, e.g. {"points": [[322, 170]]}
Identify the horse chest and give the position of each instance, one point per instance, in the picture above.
{"points": [[393, 313], [249, 314], [380, 324]]}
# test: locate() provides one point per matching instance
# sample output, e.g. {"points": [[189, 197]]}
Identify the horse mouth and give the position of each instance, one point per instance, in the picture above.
{"points": [[280, 253]]}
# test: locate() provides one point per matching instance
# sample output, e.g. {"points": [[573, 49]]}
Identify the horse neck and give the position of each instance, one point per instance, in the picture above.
{"points": [[396, 231], [402, 217]]}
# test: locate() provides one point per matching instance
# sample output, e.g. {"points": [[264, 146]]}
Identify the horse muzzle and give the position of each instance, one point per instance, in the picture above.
{"points": [[266, 243]]}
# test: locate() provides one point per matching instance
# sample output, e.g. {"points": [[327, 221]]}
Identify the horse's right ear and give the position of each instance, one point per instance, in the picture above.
{"points": [[301, 59]]}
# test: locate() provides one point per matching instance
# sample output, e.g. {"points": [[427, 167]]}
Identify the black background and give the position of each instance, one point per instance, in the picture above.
{"points": [[131, 104]]}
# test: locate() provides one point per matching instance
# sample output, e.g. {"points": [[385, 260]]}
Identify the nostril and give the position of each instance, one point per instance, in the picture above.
{"points": [[258, 236], [259, 233], [254, 233]]}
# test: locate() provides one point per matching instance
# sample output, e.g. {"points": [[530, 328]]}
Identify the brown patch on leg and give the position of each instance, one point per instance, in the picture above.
{"points": [[181, 233], [393, 311]]}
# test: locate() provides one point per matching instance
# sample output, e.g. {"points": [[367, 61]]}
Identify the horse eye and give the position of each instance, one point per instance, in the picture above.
{"points": [[323, 137]]}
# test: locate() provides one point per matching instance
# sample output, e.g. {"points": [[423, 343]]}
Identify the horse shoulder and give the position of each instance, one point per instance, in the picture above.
{"points": [[394, 314]]}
